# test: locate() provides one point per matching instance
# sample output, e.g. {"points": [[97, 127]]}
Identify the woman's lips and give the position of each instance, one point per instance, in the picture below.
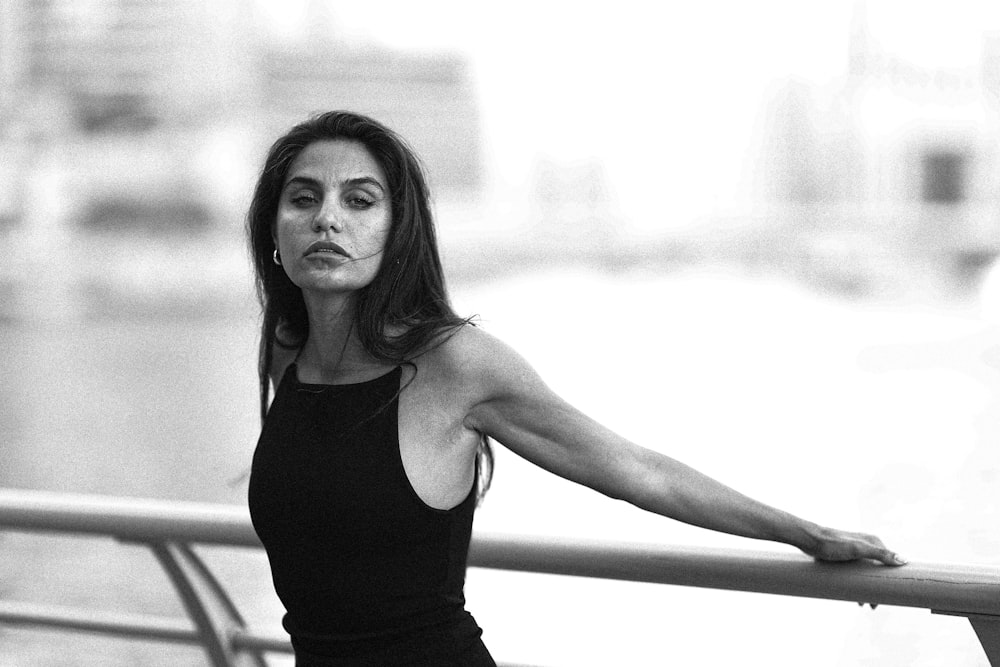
{"points": [[326, 248]]}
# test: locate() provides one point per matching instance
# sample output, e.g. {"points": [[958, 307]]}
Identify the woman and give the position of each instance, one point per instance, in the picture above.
{"points": [[375, 447]]}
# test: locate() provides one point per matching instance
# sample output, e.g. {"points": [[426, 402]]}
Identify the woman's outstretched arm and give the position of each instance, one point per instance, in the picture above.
{"points": [[510, 403]]}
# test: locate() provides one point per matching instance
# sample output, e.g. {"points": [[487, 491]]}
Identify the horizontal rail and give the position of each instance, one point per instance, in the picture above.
{"points": [[128, 519], [956, 588], [139, 626], [966, 590], [143, 626]]}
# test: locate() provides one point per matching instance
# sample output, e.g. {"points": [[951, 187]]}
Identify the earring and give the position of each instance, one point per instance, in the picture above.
{"points": [[277, 257]]}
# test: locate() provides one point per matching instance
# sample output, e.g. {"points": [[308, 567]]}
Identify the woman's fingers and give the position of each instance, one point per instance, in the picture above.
{"points": [[842, 546], [887, 557], [874, 548]]}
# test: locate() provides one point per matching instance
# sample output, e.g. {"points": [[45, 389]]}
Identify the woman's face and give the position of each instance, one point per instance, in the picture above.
{"points": [[333, 217]]}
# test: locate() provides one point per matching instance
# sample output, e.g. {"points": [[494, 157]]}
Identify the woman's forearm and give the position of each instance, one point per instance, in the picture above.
{"points": [[670, 488], [675, 490]]}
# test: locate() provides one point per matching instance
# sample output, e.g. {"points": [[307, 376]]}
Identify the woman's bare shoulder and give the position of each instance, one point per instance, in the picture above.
{"points": [[456, 348], [471, 357]]}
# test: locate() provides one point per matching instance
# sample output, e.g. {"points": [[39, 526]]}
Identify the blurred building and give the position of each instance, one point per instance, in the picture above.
{"points": [[894, 162], [107, 104], [142, 115]]}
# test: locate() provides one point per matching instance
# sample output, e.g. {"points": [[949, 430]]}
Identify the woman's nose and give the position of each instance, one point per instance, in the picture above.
{"points": [[328, 217]]}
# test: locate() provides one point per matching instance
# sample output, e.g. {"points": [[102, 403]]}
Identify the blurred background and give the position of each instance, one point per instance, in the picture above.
{"points": [[759, 237]]}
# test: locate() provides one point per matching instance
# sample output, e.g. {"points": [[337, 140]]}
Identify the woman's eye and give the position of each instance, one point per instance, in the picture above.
{"points": [[359, 202], [303, 199]]}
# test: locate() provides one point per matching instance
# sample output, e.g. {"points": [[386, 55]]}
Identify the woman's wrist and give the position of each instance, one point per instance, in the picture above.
{"points": [[801, 534]]}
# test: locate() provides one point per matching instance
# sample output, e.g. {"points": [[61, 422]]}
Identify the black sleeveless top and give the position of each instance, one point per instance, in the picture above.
{"points": [[368, 573]]}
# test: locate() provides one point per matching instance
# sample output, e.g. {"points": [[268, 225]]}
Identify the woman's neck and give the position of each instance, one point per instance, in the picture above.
{"points": [[333, 347]]}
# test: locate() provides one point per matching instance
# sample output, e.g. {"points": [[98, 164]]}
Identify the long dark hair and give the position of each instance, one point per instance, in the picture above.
{"points": [[407, 294]]}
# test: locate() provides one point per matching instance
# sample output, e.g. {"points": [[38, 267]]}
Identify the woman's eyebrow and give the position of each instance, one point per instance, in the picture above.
{"points": [[302, 180], [351, 182], [364, 180]]}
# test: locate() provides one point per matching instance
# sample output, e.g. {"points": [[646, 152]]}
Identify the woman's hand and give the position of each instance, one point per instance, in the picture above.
{"points": [[839, 545]]}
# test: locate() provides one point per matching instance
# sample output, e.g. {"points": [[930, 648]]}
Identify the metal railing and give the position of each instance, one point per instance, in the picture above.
{"points": [[169, 529]]}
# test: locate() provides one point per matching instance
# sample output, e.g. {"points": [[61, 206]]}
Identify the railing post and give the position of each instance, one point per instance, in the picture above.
{"points": [[987, 628], [206, 602]]}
